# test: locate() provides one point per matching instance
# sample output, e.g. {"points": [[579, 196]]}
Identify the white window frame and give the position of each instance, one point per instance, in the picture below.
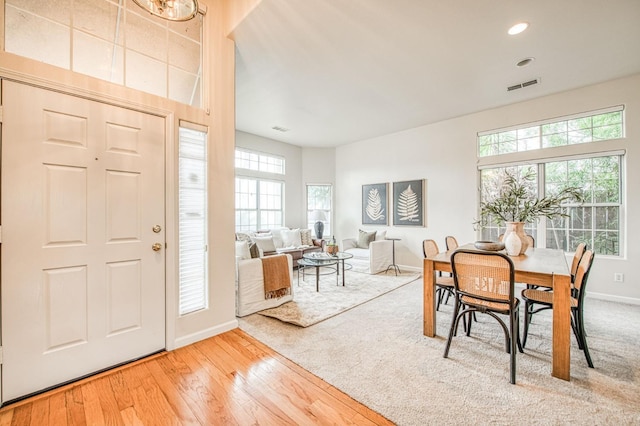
{"points": [[539, 229], [601, 148], [530, 136], [261, 168]]}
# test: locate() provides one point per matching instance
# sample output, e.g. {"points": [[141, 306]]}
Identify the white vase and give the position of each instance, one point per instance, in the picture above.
{"points": [[512, 244], [517, 229]]}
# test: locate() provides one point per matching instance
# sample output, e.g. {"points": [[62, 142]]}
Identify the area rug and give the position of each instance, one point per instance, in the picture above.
{"points": [[377, 354], [310, 306]]}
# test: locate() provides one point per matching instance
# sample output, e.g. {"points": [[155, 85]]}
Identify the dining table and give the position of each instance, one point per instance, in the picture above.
{"points": [[538, 266]]}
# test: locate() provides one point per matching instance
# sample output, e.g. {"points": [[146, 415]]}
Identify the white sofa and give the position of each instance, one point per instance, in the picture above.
{"points": [[378, 256], [250, 287]]}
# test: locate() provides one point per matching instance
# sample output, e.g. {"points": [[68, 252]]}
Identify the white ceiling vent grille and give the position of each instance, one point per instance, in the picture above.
{"points": [[522, 85], [280, 129]]}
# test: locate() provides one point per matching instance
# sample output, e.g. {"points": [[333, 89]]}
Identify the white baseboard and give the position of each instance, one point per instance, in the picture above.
{"points": [[204, 334], [416, 269], [610, 298]]}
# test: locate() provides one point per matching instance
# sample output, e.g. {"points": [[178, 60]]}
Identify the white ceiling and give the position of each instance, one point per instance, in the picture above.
{"points": [[338, 71]]}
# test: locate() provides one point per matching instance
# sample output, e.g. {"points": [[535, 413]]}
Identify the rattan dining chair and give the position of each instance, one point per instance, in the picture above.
{"points": [[538, 300], [577, 256], [450, 242], [444, 285], [484, 282]]}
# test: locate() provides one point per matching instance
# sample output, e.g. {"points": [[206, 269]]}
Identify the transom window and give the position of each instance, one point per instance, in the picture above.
{"points": [[113, 40], [583, 128], [259, 162]]}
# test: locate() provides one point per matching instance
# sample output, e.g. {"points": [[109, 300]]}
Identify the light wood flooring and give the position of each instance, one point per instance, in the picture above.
{"points": [[229, 379]]}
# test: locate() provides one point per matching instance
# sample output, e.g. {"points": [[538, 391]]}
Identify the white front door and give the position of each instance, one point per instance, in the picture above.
{"points": [[82, 206]]}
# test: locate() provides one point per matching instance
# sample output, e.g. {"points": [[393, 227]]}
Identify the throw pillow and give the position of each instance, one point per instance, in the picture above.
{"points": [[291, 238], [365, 238], [277, 236], [242, 250], [265, 244], [381, 235], [243, 236], [305, 237], [253, 250]]}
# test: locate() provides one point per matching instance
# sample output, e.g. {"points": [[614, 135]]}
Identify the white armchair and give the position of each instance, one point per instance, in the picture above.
{"points": [[250, 295], [379, 254]]}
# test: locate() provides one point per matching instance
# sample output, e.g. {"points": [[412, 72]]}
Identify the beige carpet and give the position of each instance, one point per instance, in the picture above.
{"points": [[310, 306], [376, 353]]}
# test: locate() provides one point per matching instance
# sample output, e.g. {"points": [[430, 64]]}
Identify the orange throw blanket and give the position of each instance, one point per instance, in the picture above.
{"points": [[275, 271]]}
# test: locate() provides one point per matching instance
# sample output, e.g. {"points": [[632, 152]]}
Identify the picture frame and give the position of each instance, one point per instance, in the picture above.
{"points": [[409, 203], [375, 204]]}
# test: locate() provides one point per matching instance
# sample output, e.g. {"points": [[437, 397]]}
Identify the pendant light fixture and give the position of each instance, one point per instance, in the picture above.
{"points": [[173, 10]]}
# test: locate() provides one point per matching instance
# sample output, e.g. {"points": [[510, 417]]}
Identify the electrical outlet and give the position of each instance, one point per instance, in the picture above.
{"points": [[618, 277]]}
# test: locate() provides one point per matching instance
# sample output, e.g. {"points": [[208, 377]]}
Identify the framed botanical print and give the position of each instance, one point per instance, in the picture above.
{"points": [[409, 203], [375, 204]]}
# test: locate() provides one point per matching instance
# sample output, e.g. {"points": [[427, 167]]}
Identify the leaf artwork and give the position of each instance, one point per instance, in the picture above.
{"points": [[408, 206], [374, 209]]}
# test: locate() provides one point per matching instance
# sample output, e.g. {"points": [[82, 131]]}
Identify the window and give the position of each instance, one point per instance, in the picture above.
{"points": [[319, 198], [116, 41], [583, 128], [596, 221], [192, 220], [259, 197], [574, 161], [259, 162]]}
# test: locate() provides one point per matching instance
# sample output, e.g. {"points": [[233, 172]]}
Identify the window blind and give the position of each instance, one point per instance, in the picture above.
{"points": [[192, 222]]}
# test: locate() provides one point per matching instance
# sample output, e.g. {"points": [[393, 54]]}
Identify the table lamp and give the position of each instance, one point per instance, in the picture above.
{"points": [[319, 217]]}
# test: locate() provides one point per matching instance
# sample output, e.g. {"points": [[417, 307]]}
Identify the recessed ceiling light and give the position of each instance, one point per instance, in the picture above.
{"points": [[518, 28], [524, 62]]}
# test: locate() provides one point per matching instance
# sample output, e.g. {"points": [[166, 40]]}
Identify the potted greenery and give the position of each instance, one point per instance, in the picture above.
{"points": [[510, 199]]}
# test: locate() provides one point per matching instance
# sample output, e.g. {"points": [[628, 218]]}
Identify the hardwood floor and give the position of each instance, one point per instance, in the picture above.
{"points": [[230, 379]]}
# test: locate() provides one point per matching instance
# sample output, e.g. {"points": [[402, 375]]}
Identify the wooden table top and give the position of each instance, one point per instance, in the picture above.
{"points": [[535, 260]]}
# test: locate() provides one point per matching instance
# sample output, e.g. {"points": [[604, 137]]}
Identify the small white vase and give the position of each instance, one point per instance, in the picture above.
{"points": [[512, 244], [516, 228]]}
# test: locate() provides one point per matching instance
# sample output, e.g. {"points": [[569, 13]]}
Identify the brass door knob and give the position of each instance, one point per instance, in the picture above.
{"points": [[156, 247], [156, 228]]}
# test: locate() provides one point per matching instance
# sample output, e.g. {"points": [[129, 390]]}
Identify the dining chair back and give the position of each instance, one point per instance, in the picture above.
{"points": [[576, 260], [429, 248], [484, 283], [538, 300], [451, 243], [444, 285]]}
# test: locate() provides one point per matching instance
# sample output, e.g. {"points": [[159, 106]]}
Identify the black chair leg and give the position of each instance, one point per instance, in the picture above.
{"points": [[585, 348], [454, 326], [514, 338], [527, 318]]}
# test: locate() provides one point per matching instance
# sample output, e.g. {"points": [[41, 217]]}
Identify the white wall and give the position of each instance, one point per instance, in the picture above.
{"points": [[445, 155]]}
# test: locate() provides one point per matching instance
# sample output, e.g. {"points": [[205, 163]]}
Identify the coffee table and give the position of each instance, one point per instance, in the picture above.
{"points": [[309, 261], [341, 257]]}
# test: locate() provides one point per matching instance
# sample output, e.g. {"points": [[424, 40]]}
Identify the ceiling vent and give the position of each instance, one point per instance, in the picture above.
{"points": [[522, 85], [280, 129]]}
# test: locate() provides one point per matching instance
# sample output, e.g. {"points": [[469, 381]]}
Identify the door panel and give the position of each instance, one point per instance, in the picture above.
{"points": [[82, 188]]}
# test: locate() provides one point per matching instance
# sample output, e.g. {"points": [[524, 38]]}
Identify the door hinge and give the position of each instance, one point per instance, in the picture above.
{"points": [[0, 237], [1, 355], [1, 111]]}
